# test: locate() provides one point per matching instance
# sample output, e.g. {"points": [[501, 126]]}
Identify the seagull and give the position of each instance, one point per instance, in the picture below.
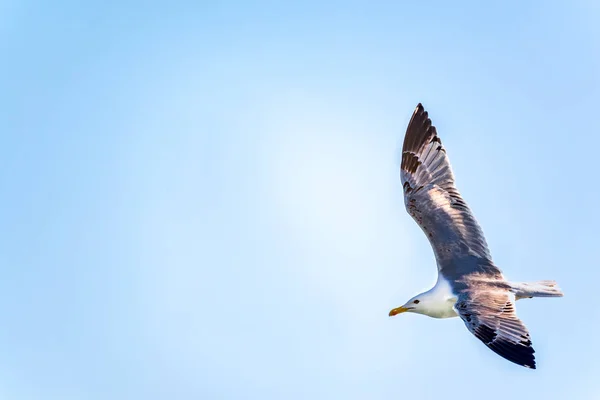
{"points": [[469, 284]]}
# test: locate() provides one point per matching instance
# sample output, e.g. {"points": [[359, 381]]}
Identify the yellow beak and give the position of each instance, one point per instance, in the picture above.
{"points": [[397, 311]]}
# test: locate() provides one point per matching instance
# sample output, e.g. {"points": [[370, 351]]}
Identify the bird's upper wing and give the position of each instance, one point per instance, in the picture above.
{"points": [[433, 201], [490, 315]]}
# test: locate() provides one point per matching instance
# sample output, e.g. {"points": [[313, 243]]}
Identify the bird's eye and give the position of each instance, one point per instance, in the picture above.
{"points": [[416, 301]]}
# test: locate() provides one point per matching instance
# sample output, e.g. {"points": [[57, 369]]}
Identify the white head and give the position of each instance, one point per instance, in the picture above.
{"points": [[436, 303], [417, 304]]}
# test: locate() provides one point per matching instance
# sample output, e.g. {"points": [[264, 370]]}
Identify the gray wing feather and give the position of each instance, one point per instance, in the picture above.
{"points": [[434, 202], [490, 315]]}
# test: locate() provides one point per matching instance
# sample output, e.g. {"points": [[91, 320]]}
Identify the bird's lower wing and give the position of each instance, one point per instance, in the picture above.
{"points": [[490, 315]]}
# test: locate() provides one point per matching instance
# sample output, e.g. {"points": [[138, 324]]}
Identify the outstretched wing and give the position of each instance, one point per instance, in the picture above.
{"points": [[433, 201], [490, 315]]}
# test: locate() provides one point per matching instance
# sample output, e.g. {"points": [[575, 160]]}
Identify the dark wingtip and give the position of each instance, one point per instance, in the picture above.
{"points": [[520, 354], [418, 131], [419, 109]]}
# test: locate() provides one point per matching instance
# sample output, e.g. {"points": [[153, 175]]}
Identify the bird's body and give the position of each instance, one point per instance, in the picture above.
{"points": [[469, 285]]}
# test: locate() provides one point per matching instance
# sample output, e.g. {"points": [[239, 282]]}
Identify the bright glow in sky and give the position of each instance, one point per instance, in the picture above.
{"points": [[203, 201]]}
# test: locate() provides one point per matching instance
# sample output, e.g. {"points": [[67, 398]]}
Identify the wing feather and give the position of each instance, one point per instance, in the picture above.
{"points": [[490, 315], [434, 202]]}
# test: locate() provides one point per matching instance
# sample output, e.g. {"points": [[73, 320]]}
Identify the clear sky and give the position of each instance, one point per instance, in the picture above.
{"points": [[201, 200]]}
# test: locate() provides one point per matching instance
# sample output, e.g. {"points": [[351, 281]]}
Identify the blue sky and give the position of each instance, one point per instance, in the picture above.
{"points": [[202, 199]]}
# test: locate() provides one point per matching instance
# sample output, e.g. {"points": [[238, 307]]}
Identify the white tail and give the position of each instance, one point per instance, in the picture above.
{"points": [[524, 290]]}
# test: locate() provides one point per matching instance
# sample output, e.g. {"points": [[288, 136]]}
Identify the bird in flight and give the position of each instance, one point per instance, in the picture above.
{"points": [[469, 285]]}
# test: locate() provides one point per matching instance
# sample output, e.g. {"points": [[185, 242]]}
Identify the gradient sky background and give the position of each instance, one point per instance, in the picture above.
{"points": [[201, 200]]}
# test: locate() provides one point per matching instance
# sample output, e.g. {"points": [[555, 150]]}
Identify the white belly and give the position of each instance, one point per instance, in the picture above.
{"points": [[441, 300], [443, 310]]}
